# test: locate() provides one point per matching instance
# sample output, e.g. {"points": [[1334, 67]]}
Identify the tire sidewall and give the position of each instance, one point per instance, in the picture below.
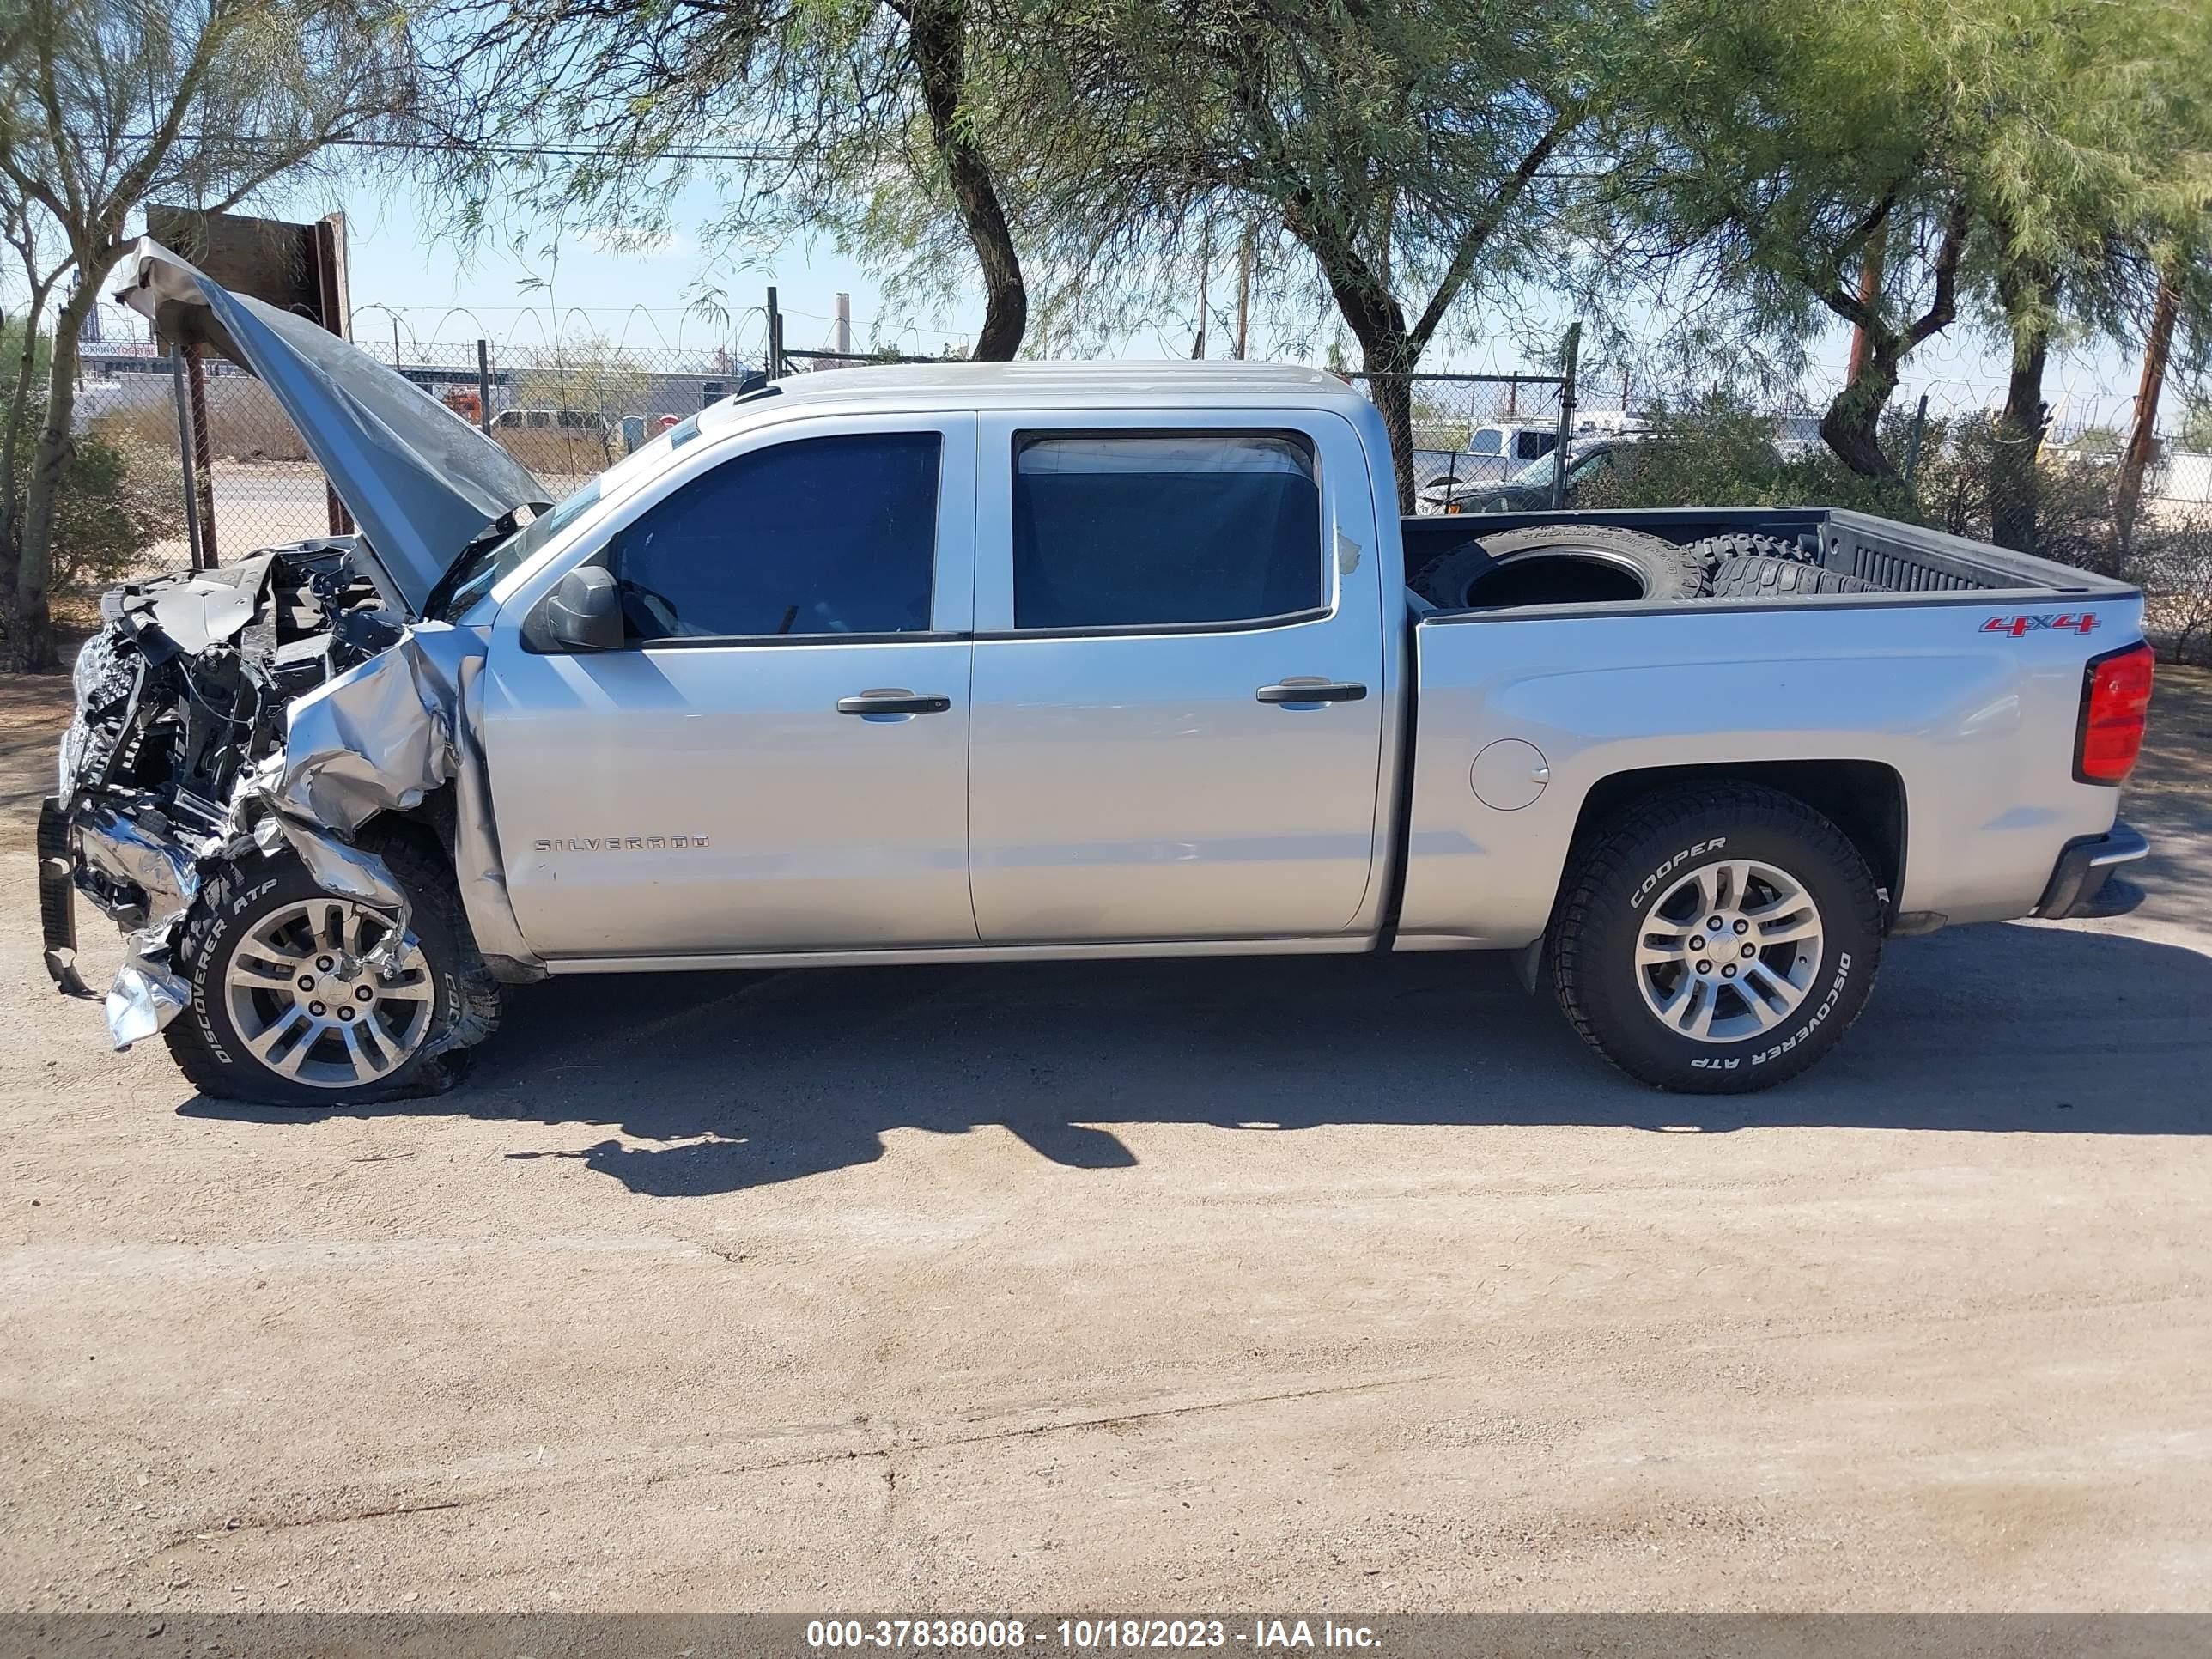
{"points": [[1667, 570], [229, 906], [1613, 997]]}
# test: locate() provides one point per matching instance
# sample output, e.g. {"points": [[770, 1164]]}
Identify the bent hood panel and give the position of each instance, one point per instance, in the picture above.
{"points": [[421, 482]]}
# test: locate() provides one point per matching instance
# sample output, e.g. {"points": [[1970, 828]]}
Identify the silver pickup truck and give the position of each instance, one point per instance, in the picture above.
{"points": [[993, 663]]}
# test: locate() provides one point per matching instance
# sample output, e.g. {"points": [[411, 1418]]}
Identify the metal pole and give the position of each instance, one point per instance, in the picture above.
{"points": [[484, 388], [184, 456], [196, 384], [1570, 353], [395, 346], [774, 337], [1243, 293], [1912, 443]]}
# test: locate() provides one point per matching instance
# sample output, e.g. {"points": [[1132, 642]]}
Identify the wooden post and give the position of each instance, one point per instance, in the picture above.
{"points": [[2142, 436], [1871, 263], [186, 450]]}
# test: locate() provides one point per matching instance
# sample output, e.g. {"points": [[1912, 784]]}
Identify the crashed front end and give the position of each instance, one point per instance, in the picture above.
{"points": [[273, 705]]}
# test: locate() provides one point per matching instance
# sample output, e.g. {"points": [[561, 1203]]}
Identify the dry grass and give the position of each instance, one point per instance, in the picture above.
{"points": [[245, 423], [561, 458]]}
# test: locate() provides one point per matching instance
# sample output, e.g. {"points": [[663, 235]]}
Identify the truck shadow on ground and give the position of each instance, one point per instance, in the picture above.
{"points": [[715, 1083]]}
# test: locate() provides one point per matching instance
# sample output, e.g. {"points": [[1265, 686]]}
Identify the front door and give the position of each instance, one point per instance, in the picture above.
{"points": [[777, 761], [1178, 703]]}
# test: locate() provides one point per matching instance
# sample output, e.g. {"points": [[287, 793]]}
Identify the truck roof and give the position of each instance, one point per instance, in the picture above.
{"points": [[1059, 385]]}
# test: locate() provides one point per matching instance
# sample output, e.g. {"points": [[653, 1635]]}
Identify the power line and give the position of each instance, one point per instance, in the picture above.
{"points": [[466, 146]]}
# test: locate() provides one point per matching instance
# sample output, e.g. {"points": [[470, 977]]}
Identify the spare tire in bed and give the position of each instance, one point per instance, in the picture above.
{"points": [[1560, 564], [1714, 551], [1757, 579]]}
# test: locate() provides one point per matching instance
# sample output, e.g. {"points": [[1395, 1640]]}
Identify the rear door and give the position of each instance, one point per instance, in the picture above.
{"points": [[1178, 705], [777, 761]]}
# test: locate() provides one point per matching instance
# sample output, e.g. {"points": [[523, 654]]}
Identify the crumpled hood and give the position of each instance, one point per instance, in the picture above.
{"points": [[421, 482]]}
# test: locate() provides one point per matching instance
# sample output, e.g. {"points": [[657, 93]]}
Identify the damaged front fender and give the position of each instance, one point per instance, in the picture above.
{"points": [[381, 737]]}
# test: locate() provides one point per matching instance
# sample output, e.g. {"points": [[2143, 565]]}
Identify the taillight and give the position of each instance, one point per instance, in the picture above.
{"points": [[2115, 699]]}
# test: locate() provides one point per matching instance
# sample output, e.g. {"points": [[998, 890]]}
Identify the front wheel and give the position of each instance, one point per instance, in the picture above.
{"points": [[302, 999], [1715, 940]]}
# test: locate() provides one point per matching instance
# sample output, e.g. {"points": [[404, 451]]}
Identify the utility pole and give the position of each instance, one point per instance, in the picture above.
{"points": [[1870, 294], [2142, 435], [1243, 293], [1205, 271]]}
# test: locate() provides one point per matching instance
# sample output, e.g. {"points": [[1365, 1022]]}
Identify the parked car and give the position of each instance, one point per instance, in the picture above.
{"points": [[1798, 436], [979, 662], [1492, 455], [550, 420], [1529, 490]]}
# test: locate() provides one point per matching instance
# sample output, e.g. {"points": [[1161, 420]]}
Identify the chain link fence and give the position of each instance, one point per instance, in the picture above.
{"points": [[1470, 430], [2067, 494], [566, 409]]}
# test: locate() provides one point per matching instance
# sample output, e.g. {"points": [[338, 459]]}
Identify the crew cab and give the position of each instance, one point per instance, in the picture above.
{"points": [[969, 662]]}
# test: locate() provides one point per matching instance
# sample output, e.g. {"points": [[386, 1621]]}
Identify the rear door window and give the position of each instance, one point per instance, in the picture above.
{"points": [[818, 536], [1488, 441], [1114, 531], [1530, 445]]}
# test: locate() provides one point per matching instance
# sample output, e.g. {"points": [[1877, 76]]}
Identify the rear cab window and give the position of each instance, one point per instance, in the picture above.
{"points": [[1127, 530]]}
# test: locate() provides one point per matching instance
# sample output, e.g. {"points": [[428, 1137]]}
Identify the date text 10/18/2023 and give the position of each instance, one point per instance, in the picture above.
{"points": [[1089, 1635]]}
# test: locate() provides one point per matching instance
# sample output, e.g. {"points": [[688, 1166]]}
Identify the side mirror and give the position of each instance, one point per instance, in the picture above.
{"points": [[583, 613]]}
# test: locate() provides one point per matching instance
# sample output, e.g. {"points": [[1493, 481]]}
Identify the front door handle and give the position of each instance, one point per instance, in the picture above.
{"points": [[892, 702], [1306, 693]]}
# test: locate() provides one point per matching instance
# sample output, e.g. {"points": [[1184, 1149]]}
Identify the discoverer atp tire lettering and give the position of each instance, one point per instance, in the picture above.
{"points": [[1604, 952]]}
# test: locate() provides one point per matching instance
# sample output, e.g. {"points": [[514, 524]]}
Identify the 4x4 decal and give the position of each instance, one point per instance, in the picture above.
{"points": [[2081, 622]]}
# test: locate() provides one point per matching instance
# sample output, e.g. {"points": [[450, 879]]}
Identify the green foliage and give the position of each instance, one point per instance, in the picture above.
{"points": [[117, 496], [2196, 430], [1718, 452], [120, 496], [2096, 441]]}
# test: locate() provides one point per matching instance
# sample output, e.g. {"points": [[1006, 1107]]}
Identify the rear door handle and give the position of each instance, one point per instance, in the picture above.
{"points": [[892, 702], [1303, 692]]}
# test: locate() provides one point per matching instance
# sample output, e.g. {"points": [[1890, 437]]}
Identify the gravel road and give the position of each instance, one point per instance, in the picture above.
{"points": [[1354, 1284]]}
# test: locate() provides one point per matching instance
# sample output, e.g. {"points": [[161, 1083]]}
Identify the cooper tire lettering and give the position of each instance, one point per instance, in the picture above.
{"points": [[1652, 881]]}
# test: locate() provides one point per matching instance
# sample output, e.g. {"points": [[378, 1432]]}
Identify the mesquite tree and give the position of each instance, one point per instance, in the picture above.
{"points": [[863, 120], [109, 105]]}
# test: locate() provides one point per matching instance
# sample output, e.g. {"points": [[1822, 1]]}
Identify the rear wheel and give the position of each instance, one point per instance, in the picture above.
{"points": [[1715, 940], [300, 998]]}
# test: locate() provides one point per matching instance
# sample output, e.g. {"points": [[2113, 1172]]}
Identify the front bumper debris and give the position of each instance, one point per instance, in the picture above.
{"points": [[57, 900], [2081, 884], [378, 738]]}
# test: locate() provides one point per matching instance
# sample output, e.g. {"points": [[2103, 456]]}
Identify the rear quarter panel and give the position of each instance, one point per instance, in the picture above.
{"points": [[1978, 724]]}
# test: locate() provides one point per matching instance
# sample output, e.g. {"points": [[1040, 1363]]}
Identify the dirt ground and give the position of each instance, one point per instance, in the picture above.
{"points": [[1352, 1283]]}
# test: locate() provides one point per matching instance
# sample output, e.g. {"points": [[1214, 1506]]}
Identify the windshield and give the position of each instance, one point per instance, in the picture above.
{"points": [[489, 562], [1540, 471]]}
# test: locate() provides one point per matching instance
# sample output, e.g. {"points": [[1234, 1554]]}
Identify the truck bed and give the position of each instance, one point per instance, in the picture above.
{"points": [[1948, 703], [1899, 558]]}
